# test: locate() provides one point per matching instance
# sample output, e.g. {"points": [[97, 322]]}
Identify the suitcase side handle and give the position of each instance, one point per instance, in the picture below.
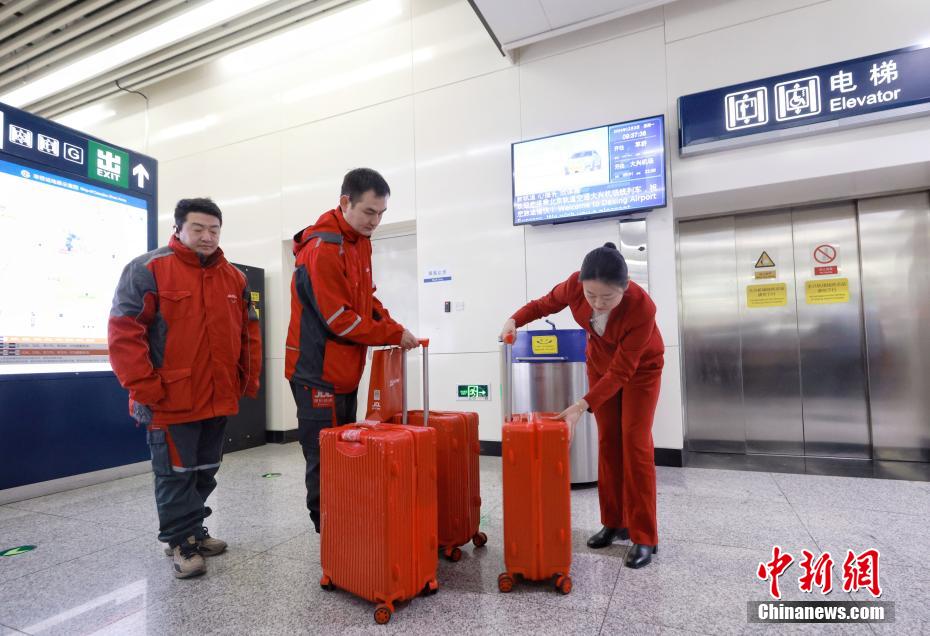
{"points": [[351, 442]]}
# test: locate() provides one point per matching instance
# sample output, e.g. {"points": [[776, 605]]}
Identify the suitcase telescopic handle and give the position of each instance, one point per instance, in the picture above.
{"points": [[424, 343], [507, 377]]}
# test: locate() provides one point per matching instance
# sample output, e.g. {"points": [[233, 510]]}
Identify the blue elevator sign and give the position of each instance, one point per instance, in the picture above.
{"points": [[852, 93]]}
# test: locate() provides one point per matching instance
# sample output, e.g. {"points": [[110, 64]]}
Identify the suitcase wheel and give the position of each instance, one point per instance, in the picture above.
{"points": [[430, 588], [327, 584], [505, 583], [564, 584], [454, 555], [480, 539], [383, 614]]}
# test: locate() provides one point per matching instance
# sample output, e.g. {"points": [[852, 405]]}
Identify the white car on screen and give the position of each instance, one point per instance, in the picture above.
{"points": [[583, 161]]}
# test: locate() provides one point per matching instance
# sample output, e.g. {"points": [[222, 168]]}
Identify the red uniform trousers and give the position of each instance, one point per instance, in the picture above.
{"points": [[626, 471]]}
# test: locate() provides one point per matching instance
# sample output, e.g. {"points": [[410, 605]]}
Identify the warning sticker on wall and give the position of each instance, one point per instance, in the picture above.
{"points": [[827, 292], [766, 273], [771, 295]]}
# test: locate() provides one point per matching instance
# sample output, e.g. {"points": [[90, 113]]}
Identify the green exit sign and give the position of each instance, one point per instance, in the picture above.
{"points": [[474, 392]]}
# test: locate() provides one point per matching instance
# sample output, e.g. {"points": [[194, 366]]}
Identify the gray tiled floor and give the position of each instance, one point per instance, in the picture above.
{"points": [[98, 569]]}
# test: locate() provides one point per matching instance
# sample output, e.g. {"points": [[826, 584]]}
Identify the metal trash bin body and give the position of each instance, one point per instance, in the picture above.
{"points": [[546, 372]]}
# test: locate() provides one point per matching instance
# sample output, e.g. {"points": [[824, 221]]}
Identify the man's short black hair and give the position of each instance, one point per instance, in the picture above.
{"points": [[360, 180], [203, 205]]}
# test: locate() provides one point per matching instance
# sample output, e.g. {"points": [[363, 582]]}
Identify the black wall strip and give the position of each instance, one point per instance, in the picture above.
{"points": [[281, 437]]}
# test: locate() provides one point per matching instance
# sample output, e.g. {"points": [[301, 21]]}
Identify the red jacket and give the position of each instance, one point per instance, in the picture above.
{"points": [[334, 313], [631, 350], [184, 336]]}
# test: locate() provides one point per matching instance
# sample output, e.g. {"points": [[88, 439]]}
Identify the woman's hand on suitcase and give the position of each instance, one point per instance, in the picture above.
{"points": [[509, 329], [572, 415]]}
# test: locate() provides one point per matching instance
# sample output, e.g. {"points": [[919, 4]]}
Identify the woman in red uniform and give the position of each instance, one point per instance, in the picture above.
{"points": [[624, 358]]}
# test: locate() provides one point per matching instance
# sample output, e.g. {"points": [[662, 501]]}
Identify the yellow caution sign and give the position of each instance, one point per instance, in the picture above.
{"points": [[765, 260], [771, 295], [827, 292], [545, 345], [767, 273], [256, 296]]}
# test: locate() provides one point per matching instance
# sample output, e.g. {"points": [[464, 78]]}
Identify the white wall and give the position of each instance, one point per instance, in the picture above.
{"points": [[416, 89]]}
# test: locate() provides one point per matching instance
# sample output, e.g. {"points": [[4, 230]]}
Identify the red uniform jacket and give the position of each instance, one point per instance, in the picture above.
{"points": [[184, 336], [334, 313], [631, 350]]}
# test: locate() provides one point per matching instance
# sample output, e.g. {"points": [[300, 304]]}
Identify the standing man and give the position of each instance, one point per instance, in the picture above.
{"points": [[184, 340], [335, 317]]}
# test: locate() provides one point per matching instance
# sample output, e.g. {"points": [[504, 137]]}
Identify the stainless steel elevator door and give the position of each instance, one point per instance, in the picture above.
{"points": [[772, 333], [829, 300], [894, 234], [714, 417], [769, 335]]}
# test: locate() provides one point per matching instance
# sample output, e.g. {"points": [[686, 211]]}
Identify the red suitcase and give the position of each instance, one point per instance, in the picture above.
{"points": [[537, 501], [459, 481], [378, 514], [458, 451]]}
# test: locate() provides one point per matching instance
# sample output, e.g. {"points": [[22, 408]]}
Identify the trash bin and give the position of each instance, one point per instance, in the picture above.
{"points": [[546, 371]]}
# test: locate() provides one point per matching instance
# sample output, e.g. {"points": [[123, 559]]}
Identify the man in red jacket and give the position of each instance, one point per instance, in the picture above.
{"points": [[184, 340], [335, 317]]}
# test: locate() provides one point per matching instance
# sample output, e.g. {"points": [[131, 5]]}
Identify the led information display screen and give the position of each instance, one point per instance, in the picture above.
{"points": [[67, 243], [593, 173], [73, 212]]}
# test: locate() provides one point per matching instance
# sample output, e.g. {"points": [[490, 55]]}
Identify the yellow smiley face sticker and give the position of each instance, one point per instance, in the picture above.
{"points": [[545, 345]]}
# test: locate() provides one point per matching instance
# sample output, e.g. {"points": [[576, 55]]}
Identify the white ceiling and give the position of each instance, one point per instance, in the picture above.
{"points": [[39, 38], [516, 23]]}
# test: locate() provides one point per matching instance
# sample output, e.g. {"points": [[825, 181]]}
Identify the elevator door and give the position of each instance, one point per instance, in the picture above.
{"points": [[772, 333], [830, 332], [895, 239]]}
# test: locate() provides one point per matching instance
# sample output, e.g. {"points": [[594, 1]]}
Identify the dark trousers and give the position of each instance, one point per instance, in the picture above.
{"points": [[185, 458], [317, 410], [626, 462]]}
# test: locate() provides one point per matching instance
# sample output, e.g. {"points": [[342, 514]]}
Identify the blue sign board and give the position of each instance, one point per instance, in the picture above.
{"points": [[889, 85], [73, 211], [591, 173], [58, 147], [555, 345]]}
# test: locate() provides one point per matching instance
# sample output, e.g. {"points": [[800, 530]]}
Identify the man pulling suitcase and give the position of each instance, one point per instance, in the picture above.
{"points": [[335, 316]]}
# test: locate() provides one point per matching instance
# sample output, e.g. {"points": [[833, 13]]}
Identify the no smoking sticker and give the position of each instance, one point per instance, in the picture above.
{"points": [[826, 259]]}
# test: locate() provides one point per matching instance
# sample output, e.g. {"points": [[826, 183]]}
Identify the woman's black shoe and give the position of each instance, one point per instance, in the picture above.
{"points": [[606, 537], [640, 555]]}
